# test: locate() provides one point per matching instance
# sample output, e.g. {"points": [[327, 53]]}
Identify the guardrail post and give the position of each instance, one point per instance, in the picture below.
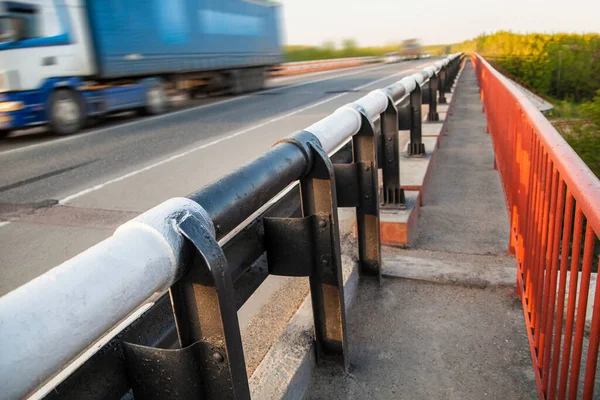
{"points": [[364, 147], [432, 115], [310, 246], [210, 363], [416, 147], [453, 66], [393, 194], [456, 66], [442, 78], [358, 186]]}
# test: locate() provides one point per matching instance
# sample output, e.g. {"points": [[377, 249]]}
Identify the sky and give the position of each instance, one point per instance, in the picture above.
{"points": [[380, 22]]}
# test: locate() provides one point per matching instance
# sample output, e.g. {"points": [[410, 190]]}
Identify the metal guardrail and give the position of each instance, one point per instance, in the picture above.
{"points": [[76, 331], [553, 200], [293, 68]]}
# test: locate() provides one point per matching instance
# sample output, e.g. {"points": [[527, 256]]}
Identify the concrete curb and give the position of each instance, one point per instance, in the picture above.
{"points": [[399, 227], [449, 272]]}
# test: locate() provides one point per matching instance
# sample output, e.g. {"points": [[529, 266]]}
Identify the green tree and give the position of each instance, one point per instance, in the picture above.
{"points": [[564, 66]]}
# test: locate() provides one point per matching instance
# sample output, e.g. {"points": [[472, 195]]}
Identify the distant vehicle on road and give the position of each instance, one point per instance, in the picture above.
{"points": [[63, 61], [411, 49], [391, 58]]}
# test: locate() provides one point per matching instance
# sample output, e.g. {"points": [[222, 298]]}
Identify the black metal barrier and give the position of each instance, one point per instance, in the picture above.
{"points": [[188, 345]]}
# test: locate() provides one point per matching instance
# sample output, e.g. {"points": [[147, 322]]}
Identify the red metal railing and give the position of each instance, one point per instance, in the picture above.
{"points": [[553, 200]]}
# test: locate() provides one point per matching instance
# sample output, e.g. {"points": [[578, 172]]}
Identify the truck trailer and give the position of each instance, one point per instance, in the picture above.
{"points": [[63, 61]]}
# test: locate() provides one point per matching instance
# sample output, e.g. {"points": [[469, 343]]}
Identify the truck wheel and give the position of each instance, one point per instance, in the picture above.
{"points": [[261, 79], [236, 82], [246, 80], [256, 79], [156, 98], [66, 112]]}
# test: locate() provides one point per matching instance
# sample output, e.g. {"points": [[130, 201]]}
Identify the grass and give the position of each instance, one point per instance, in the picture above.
{"points": [[586, 143], [582, 133], [564, 109]]}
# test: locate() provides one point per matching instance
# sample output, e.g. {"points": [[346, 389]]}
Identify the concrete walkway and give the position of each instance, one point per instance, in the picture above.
{"points": [[445, 322]]}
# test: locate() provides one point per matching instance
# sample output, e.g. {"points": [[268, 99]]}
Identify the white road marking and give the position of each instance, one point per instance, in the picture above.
{"points": [[126, 124], [217, 141], [4, 223]]}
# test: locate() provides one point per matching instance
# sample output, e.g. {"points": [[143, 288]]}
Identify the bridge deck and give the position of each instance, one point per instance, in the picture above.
{"points": [[455, 330]]}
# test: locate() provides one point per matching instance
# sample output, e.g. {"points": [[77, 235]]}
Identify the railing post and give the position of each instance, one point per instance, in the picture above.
{"points": [[416, 147], [210, 363], [310, 246], [358, 186], [393, 194], [456, 63], [326, 282], [432, 115], [455, 67], [442, 78], [449, 77], [364, 148]]}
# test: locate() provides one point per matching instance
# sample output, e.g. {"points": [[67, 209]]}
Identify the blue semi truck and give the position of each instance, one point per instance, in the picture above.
{"points": [[63, 61]]}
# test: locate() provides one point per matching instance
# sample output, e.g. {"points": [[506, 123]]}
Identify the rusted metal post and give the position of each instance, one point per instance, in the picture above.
{"points": [[310, 246], [442, 78], [210, 363], [358, 187], [393, 194], [432, 115], [454, 65], [326, 281], [367, 210], [449, 77], [416, 147]]}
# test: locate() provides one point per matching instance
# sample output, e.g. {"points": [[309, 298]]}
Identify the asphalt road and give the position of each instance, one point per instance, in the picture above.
{"points": [[59, 196]]}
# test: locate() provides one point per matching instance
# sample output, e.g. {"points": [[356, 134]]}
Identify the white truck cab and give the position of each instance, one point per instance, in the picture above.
{"points": [[42, 39], [44, 44]]}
